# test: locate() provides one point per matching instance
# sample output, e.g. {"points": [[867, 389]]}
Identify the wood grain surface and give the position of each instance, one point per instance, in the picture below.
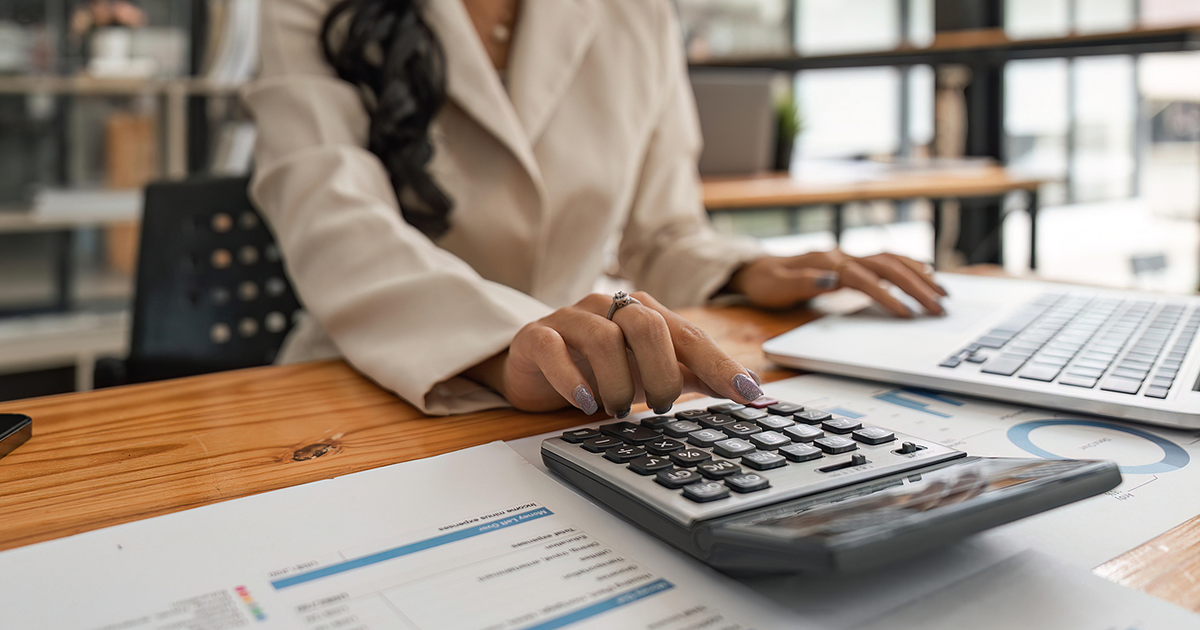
{"points": [[778, 189], [118, 455]]}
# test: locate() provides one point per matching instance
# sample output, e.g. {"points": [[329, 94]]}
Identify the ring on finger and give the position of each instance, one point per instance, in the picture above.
{"points": [[620, 299]]}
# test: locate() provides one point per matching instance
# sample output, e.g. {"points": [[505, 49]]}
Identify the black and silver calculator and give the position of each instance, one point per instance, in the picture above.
{"points": [[778, 488]]}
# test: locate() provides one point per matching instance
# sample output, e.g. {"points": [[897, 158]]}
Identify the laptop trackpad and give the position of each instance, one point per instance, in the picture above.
{"points": [[963, 313]]}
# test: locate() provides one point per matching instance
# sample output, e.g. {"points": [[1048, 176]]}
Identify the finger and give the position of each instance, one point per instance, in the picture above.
{"points": [[696, 350], [693, 383], [902, 276], [602, 344], [923, 270], [647, 335], [548, 351], [856, 276]]}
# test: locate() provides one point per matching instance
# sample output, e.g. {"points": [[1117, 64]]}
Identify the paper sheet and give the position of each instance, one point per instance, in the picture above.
{"points": [[476, 539], [1032, 591]]}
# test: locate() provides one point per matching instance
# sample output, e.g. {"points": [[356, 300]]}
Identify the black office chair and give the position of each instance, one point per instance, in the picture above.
{"points": [[211, 293]]}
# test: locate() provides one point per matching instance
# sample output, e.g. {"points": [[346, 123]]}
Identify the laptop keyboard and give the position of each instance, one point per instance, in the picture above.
{"points": [[1132, 347]]}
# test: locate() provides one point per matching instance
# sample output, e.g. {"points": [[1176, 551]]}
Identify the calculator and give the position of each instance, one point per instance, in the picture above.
{"points": [[775, 487]]}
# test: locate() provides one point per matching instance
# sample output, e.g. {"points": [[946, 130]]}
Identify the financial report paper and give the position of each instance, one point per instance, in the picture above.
{"points": [[472, 540]]}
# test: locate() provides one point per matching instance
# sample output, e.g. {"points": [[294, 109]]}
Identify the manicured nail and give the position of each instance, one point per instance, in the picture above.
{"points": [[828, 280], [584, 400], [662, 411], [755, 375], [622, 414], [746, 387], [942, 289]]}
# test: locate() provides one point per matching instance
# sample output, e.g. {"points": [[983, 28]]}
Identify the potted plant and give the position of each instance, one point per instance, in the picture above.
{"points": [[787, 126]]}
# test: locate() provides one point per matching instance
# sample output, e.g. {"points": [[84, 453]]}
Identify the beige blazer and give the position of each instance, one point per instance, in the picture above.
{"points": [[589, 154]]}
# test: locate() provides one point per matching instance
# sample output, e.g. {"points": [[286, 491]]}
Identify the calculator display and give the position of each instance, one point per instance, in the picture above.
{"points": [[890, 503]]}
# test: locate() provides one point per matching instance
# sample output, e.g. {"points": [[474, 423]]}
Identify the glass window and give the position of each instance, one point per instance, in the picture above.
{"points": [[735, 28], [832, 26]]}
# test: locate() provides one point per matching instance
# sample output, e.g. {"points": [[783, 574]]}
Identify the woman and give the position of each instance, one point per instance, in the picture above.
{"points": [[447, 179]]}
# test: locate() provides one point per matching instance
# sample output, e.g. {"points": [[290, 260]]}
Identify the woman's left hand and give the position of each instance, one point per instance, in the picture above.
{"points": [[775, 282]]}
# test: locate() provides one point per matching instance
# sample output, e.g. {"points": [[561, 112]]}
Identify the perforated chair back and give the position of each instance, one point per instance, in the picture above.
{"points": [[211, 293]]}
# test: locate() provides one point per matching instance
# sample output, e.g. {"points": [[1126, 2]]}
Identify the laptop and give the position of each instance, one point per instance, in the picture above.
{"points": [[1119, 353]]}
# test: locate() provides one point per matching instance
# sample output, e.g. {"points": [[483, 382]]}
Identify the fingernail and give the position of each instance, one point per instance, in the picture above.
{"points": [[662, 411], [746, 387], [623, 413], [942, 289], [584, 400], [755, 375], [828, 280]]}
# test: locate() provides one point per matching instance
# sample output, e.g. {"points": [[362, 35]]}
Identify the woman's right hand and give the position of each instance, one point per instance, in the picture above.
{"points": [[576, 356]]}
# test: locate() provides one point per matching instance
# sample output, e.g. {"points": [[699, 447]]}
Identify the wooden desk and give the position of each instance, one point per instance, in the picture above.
{"points": [[113, 456], [724, 194]]}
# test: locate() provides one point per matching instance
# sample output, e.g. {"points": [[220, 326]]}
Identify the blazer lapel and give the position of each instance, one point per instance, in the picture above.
{"points": [[551, 39], [472, 82]]}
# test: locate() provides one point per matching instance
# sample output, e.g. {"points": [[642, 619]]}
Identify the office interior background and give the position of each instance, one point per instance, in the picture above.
{"points": [[1108, 119]]}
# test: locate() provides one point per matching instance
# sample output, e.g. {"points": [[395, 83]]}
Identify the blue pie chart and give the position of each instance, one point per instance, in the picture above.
{"points": [[1174, 457]]}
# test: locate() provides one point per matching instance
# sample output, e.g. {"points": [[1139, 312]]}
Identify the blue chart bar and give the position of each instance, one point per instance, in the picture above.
{"points": [[404, 550], [605, 606], [938, 396], [895, 398]]}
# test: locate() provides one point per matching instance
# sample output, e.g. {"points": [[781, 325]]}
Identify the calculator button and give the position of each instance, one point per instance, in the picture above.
{"points": [[629, 432], [812, 416], [741, 429], [662, 446], [733, 448], [839, 424], [714, 420], [624, 453], [689, 457], [835, 444], [803, 433], [656, 422], [764, 460], [748, 482], [769, 440], [724, 407], [649, 464], [705, 492], [774, 423], [748, 414], [690, 414], [801, 452], [1155, 391], [785, 409], [762, 402], [680, 428], [873, 435], [705, 438], [677, 478], [718, 469], [601, 443], [579, 435], [857, 459]]}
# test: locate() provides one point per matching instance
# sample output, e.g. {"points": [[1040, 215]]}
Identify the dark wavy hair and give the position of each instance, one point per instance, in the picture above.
{"points": [[397, 62]]}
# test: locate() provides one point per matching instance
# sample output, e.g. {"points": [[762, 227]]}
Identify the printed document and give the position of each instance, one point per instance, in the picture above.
{"points": [[472, 540]]}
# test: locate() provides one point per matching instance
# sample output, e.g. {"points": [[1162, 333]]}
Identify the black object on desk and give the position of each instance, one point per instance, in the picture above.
{"points": [[15, 430]]}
